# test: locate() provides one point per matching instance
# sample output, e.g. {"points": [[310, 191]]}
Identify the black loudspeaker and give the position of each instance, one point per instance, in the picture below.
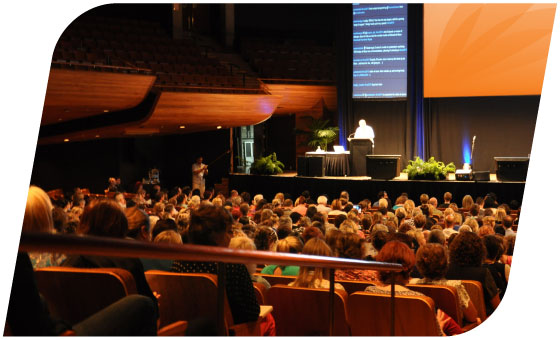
{"points": [[512, 169], [315, 166], [359, 148], [383, 166], [481, 175], [301, 166]]}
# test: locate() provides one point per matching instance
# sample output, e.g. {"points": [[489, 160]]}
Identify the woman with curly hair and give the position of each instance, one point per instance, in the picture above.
{"points": [[466, 254], [398, 252], [431, 261]]}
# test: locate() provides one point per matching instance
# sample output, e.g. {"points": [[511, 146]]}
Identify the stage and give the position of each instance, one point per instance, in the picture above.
{"points": [[361, 187]]}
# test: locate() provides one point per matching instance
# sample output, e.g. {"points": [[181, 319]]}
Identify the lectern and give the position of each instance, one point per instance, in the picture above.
{"points": [[359, 148]]}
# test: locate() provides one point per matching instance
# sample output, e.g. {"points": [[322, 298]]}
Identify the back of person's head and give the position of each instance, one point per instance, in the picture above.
{"points": [[265, 238], [507, 222], [420, 221], [499, 230], [424, 198], [510, 244], [449, 221], [383, 203], [465, 228], [396, 252], [348, 226], [485, 230], [311, 210], [322, 200], [447, 197], [348, 207], [431, 261], [467, 249], [312, 232], [162, 225], [169, 236], [38, 211], [494, 247], [104, 218], [288, 203], [436, 236], [137, 219], [351, 246], [290, 244], [334, 240], [319, 225], [242, 242], [339, 219], [316, 246], [207, 223], [400, 200], [367, 222], [60, 219], [379, 239]]}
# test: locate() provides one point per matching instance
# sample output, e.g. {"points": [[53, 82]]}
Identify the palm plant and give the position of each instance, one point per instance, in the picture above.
{"points": [[319, 133]]}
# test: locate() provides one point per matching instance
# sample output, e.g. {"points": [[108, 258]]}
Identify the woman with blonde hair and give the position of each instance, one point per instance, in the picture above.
{"points": [[467, 202], [315, 277], [38, 218], [290, 244]]}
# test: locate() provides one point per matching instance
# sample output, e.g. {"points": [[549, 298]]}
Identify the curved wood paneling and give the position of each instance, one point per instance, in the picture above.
{"points": [[195, 111], [75, 94], [296, 98]]}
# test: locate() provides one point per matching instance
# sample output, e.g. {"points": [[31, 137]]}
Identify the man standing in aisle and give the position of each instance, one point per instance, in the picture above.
{"points": [[199, 170]]}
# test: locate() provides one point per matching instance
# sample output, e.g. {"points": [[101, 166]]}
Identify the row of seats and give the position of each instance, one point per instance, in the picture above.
{"points": [[297, 311]]}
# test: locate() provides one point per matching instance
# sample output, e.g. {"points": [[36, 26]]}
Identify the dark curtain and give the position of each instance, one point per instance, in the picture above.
{"points": [[504, 127], [343, 43]]}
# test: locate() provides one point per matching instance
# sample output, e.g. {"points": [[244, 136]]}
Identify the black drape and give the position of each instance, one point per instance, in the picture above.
{"points": [[504, 126]]}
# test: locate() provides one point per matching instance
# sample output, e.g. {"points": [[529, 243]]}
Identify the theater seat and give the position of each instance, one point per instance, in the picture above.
{"points": [[187, 296], [445, 298], [304, 311], [474, 289], [277, 279], [369, 315], [73, 294]]}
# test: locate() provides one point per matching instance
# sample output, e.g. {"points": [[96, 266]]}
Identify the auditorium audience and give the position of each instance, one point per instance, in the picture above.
{"points": [[475, 253]]}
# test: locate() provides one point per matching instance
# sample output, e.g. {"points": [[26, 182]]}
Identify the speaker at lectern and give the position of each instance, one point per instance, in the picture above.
{"points": [[359, 148]]}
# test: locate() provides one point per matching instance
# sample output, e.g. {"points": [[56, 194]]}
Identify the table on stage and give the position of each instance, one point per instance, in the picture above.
{"points": [[336, 163]]}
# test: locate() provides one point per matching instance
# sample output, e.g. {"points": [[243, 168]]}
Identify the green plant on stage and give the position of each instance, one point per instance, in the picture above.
{"points": [[268, 165], [432, 169], [319, 133]]}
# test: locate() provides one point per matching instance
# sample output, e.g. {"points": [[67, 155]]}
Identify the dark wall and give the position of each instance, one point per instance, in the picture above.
{"points": [[89, 164], [280, 138], [504, 126]]}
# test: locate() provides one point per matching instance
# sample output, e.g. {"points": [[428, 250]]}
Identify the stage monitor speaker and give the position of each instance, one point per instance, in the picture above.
{"points": [[383, 166], [511, 169], [316, 166], [301, 166], [481, 175]]}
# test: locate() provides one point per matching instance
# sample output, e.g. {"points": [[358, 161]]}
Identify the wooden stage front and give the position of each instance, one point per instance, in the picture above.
{"points": [[364, 187]]}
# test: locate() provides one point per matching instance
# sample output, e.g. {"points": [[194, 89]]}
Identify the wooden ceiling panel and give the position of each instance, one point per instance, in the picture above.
{"points": [[296, 98], [192, 111], [73, 94]]}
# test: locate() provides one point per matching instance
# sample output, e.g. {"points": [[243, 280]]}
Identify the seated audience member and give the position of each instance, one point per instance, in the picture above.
{"points": [[436, 236], [509, 245], [334, 240], [243, 242], [292, 245], [312, 277], [284, 227], [338, 220], [138, 224], [311, 232], [105, 218], [446, 200], [431, 261], [322, 204], [166, 236], [351, 247], [467, 203], [265, 238], [398, 252], [336, 208], [162, 225], [212, 226], [38, 217], [466, 254], [378, 240], [508, 225], [500, 272]]}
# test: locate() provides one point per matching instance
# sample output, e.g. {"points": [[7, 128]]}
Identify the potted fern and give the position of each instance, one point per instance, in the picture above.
{"points": [[268, 165], [430, 170]]}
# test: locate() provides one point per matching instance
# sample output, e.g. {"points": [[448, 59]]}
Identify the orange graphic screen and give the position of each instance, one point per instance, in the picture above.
{"points": [[485, 49]]}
